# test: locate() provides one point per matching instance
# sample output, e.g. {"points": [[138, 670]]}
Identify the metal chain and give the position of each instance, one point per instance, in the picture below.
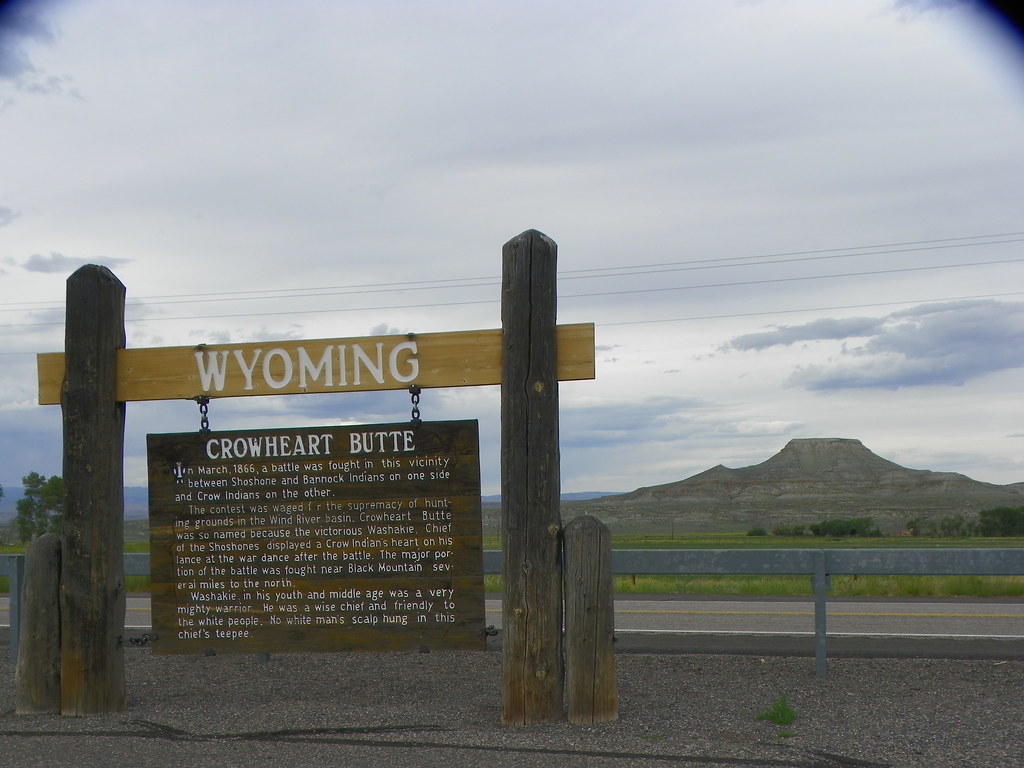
{"points": [[414, 391], [204, 414]]}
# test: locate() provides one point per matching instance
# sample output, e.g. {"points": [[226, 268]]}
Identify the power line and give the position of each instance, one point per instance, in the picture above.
{"points": [[345, 291], [765, 313], [866, 273], [579, 274], [812, 309], [595, 294]]}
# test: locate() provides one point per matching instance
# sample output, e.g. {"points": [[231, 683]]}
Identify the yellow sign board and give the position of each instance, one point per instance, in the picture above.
{"points": [[455, 359]]}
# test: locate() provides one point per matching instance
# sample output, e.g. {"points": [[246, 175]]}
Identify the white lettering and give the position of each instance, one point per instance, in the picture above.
{"points": [[342, 369], [287, 373], [269, 445], [317, 368], [247, 369], [324, 366], [376, 371], [213, 370], [414, 363], [381, 442]]}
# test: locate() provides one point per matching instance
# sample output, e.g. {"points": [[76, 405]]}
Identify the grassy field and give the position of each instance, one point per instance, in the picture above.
{"points": [[796, 586], [743, 541], [780, 586]]}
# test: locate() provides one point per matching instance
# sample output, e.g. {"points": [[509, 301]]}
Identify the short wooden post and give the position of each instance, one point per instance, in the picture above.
{"points": [[15, 583], [37, 675], [533, 672], [92, 570], [589, 622]]}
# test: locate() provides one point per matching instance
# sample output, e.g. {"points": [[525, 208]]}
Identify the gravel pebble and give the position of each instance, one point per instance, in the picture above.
{"points": [[444, 709]]}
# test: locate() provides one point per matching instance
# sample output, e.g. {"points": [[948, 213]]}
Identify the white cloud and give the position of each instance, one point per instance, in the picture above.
{"points": [[722, 166], [931, 344]]}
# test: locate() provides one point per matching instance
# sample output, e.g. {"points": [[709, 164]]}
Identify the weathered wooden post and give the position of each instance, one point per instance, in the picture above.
{"points": [[589, 622], [532, 667], [92, 570], [37, 675], [15, 582]]}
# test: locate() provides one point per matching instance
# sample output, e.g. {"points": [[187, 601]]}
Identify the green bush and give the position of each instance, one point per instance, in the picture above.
{"points": [[1001, 521], [840, 526], [757, 532]]}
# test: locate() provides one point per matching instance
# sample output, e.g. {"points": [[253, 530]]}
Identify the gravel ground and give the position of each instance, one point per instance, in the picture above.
{"points": [[444, 709]]}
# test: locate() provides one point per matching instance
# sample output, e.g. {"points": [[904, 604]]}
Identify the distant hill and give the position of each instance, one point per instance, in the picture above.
{"points": [[580, 496], [136, 503], [807, 481]]}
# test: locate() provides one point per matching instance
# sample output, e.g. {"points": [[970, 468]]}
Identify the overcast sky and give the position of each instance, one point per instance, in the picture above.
{"points": [[787, 218]]}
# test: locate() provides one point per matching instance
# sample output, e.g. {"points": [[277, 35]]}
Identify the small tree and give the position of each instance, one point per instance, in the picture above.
{"points": [[840, 526], [41, 508], [952, 526], [1001, 521]]}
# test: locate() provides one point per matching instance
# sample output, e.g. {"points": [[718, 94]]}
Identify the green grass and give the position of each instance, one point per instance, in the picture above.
{"points": [[778, 586], [800, 586], [742, 541]]}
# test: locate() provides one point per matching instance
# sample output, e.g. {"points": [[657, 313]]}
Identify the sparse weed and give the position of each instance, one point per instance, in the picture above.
{"points": [[779, 712]]}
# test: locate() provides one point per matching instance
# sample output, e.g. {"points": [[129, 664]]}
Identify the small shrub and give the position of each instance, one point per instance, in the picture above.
{"points": [[840, 526], [779, 713], [757, 532]]}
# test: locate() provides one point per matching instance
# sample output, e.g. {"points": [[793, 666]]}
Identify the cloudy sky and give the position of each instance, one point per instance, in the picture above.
{"points": [[787, 218]]}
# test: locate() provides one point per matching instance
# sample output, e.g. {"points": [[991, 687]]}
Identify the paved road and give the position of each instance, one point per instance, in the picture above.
{"points": [[682, 615]]}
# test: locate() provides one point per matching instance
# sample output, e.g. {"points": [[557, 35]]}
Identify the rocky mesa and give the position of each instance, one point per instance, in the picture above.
{"points": [[809, 480]]}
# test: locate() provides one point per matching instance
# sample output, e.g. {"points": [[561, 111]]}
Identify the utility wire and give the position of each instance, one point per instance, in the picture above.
{"points": [[595, 294], [580, 274], [812, 309], [770, 312]]}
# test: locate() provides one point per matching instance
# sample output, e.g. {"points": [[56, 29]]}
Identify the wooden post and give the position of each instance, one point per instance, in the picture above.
{"points": [[589, 622], [15, 582], [92, 570], [532, 668], [37, 675]]}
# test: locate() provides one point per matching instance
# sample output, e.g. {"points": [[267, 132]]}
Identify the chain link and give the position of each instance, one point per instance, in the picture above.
{"points": [[414, 391], [204, 414]]}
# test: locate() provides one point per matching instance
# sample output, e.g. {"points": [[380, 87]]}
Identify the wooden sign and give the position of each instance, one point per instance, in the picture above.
{"points": [[317, 539], [456, 359]]}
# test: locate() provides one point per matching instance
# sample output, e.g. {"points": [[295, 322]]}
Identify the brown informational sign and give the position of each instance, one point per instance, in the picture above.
{"points": [[360, 537]]}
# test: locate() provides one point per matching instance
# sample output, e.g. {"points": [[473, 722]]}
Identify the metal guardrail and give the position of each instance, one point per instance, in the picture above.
{"points": [[818, 564]]}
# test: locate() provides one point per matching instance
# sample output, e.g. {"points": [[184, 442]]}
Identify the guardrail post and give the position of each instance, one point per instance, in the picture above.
{"points": [[15, 580], [820, 583]]}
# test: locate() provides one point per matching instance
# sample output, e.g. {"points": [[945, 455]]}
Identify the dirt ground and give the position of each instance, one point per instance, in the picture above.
{"points": [[444, 709]]}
